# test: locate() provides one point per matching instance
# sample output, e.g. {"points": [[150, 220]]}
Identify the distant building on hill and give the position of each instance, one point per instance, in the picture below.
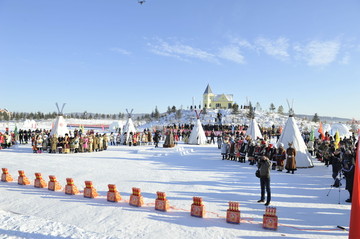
{"points": [[215, 101]]}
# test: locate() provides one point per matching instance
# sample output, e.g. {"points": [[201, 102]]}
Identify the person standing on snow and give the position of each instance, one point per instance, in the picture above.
{"points": [[280, 157], [212, 137], [264, 166], [290, 159], [156, 139], [219, 141], [225, 149], [348, 168]]}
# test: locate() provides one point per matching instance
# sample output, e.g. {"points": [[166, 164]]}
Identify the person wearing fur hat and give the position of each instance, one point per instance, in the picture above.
{"points": [[251, 153], [270, 152], [280, 157], [225, 149], [290, 159], [53, 141]]}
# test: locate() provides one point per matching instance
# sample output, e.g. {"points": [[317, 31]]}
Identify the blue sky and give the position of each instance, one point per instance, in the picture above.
{"points": [[106, 56]]}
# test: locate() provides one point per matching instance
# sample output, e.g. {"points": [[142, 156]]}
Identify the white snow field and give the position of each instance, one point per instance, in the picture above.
{"points": [[303, 207]]}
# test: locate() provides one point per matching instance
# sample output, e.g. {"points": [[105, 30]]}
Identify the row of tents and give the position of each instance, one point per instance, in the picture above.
{"points": [[290, 134]]}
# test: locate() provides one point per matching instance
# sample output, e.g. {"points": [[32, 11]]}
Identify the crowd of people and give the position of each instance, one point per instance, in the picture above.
{"points": [[238, 149], [6, 140], [340, 154], [233, 142]]}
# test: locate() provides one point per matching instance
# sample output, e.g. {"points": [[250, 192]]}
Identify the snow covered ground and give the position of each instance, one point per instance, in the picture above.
{"points": [[303, 207]]}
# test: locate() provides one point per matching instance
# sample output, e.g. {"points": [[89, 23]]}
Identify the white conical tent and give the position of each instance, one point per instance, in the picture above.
{"points": [[197, 135], [59, 128], [129, 127], [253, 131], [291, 134]]}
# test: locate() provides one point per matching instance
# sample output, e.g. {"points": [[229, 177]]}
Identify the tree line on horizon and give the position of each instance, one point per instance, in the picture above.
{"points": [[154, 115]]}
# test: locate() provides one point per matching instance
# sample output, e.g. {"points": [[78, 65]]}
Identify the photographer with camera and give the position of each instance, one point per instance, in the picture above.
{"points": [[264, 166], [348, 168], [335, 160]]}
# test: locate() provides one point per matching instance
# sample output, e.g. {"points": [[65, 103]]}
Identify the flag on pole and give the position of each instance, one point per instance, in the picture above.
{"points": [[16, 130], [321, 131], [337, 140], [354, 231], [312, 134]]}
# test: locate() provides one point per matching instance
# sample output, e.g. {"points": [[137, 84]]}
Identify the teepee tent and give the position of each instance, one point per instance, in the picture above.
{"points": [[59, 127], [197, 135], [129, 126], [291, 134], [253, 131]]}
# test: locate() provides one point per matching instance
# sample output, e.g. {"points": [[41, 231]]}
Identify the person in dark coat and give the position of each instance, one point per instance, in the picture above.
{"points": [[264, 166], [243, 150], [335, 160], [251, 153], [212, 137], [156, 139], [348, 168]]}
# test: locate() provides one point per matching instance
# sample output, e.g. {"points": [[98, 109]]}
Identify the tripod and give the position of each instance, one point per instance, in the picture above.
{"points": [[337, 184]]}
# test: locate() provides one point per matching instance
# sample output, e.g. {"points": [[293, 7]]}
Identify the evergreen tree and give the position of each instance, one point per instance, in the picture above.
{"points": [[272, 107], [258, 106], [173, 109], [168, 110], [156, 113], [6, 116], [235, 109], [316, 118], [178, 114], [16, 116], [204, 111], [251, 113], [280, 110]]}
